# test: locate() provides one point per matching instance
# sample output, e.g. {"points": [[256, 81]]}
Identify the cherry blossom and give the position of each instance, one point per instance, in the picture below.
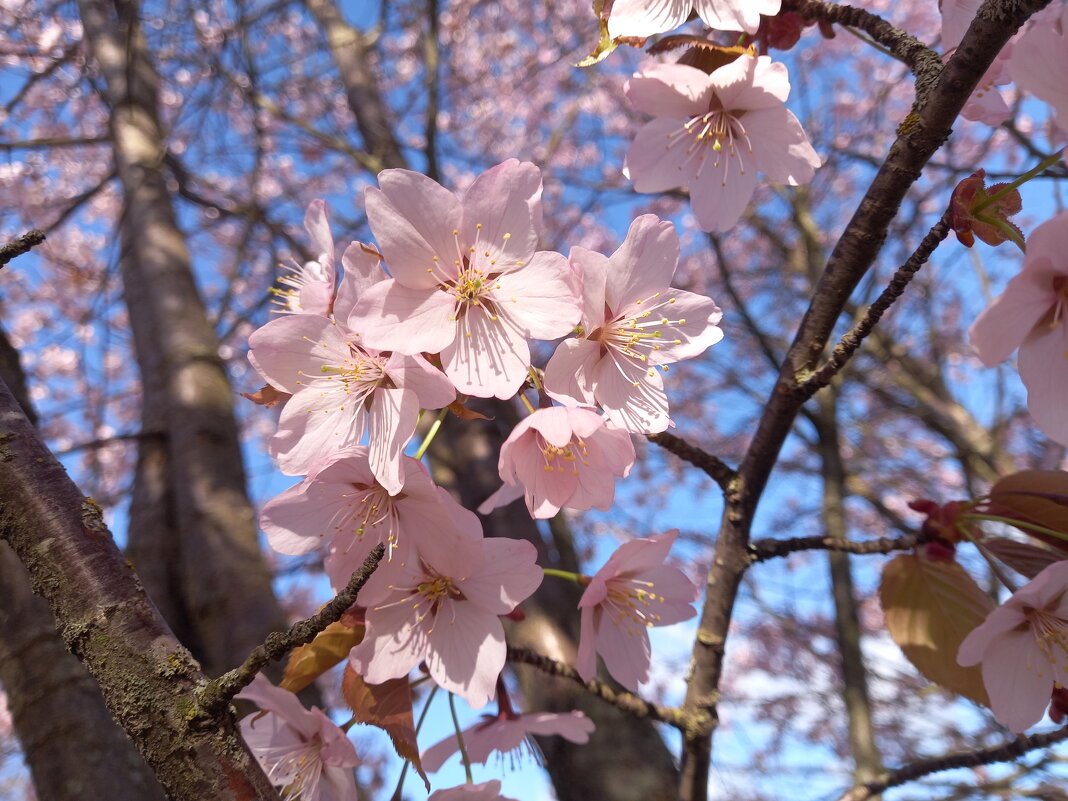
{"points": [[505, 732], [648, 17], [632, 323], [447, 614], [309, 289], [633, 592], [302, 751], [562, 457], [1040, 62], [1023, 648], [1032, 315], [712, 133], [467, 281], [340, 390], [486, 791], [343, 507]]}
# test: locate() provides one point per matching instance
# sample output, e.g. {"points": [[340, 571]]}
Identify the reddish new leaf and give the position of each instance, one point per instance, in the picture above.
{"points": [[1036, 497], [974, 214], [930, 607], [1023, 557], [328, 648], [387, 706], [267, 396]]}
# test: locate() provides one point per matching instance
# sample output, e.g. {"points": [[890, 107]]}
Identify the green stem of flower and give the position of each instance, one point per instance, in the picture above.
{"points": [[460, 739], [404, 768], [578, 578], [526, 402], [433, 432], [1049, 161], [1018, 524]]}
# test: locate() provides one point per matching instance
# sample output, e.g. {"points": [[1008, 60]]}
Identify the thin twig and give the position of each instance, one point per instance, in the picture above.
{"points": [[848, 345], [621, 699], [966, 759], [20, 245], [762, 550], [217, 693], [716, 468]]}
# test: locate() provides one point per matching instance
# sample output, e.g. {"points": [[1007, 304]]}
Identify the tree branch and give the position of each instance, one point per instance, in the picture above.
{"points": [[148, 679], [763, 550], [924, 63], [621, 699], [967, 759], [217, 693], [20, 245], [713, 466], [849, 343]]}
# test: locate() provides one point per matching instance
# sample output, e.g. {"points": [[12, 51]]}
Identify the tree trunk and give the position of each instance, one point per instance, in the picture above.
{"points": [[193, 532], [866, 762], [58, 714]]}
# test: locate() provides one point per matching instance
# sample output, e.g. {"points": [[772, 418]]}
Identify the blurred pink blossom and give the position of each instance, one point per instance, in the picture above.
{"points": [[302, 751], [633, 592], [1023, 648], [632, 323], [712, 133], [1032, 315], [648, 17], [562, 457], [505, 732], [1040, 63], [486, 791]]}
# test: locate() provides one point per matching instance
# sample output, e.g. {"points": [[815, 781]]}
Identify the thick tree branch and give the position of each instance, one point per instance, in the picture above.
{"points": [[148, 679], [967, 759], [920, 135]]}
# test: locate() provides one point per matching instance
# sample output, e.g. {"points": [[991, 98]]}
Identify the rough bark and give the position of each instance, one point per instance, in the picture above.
{"points": [[147, 678], [58, 714], [867, 765], [192, 526]]}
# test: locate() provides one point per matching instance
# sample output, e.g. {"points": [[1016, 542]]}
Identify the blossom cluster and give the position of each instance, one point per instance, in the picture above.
{"points": [[358, 356]]}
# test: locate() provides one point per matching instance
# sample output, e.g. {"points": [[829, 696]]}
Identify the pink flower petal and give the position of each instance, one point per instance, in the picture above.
{"points": [[498, 213], [670, 90], [466, 653], [413, 218], [391, 316], [647, 17]]}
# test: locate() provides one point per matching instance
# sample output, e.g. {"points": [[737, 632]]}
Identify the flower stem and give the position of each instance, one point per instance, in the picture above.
{"points": [[578, 578], [460, 739], [526, 402], [433, 432], [1049, 161], [404, 768]]}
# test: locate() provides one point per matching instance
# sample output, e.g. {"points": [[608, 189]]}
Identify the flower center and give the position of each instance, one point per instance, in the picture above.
{"points": [[295, 769], [564, 459], [632, 600], [717, 131], [1051, 634]]}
